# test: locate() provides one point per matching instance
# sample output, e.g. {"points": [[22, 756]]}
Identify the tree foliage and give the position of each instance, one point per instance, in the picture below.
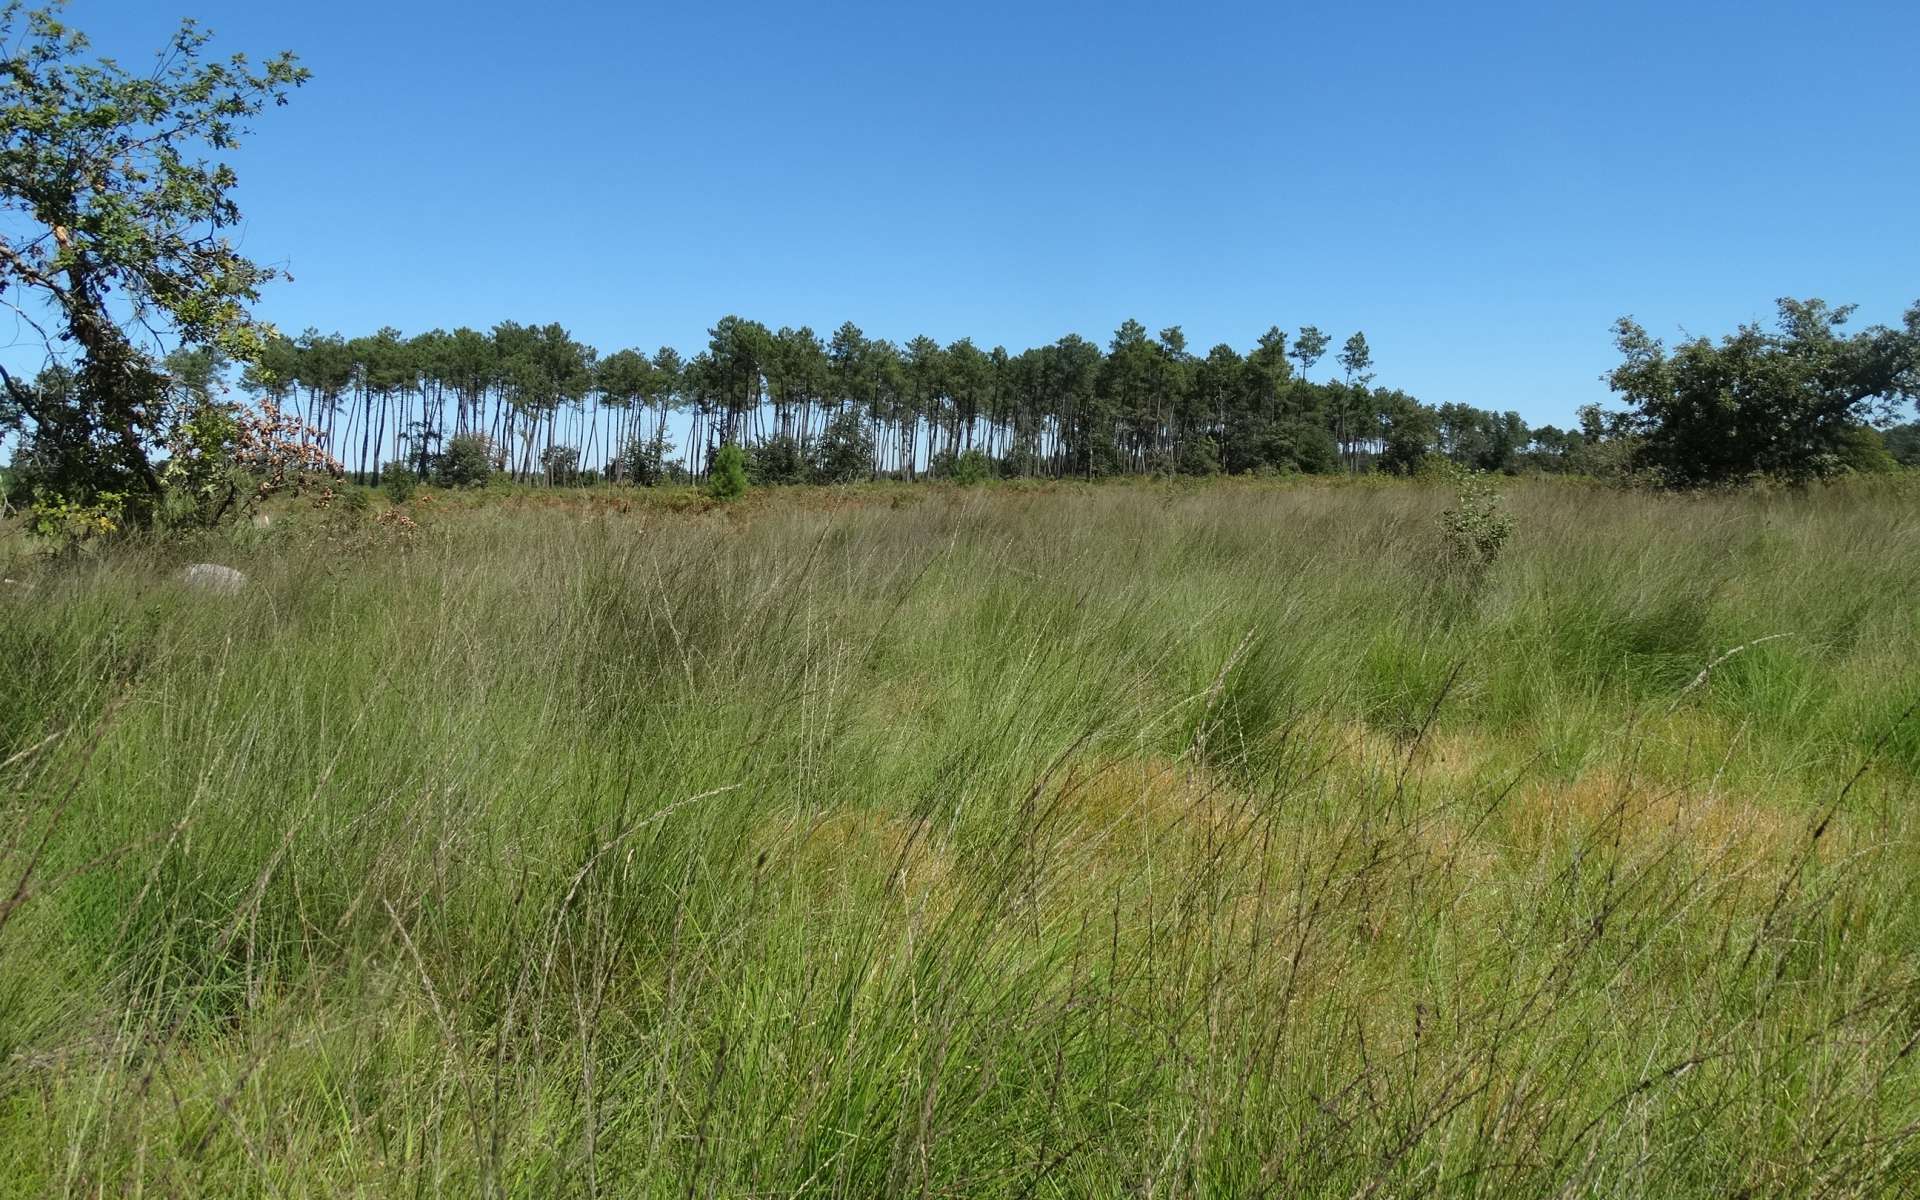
{"points": [[119, 223], [1902, 443], [1783, 401]]}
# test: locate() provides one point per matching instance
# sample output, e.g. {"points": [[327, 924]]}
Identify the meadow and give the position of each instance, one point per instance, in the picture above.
{"points": [[1068, 840]]}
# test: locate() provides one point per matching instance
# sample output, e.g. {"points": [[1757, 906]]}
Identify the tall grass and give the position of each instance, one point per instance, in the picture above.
{"points": [[1065, 842]]}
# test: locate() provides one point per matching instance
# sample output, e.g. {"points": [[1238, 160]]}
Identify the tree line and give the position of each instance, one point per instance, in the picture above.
{"points": [[1800, 400], [548, 407], [537, 405]]}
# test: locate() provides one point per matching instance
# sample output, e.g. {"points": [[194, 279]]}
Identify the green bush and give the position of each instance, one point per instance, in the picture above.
{"points": [[69, 523], [644, 460], [1314, 451], [199, 473], [728, 478], [398, 481], [466, 462], [776, 460], [1475, 530], [970, 468], [844, 451], [1863, 451]]}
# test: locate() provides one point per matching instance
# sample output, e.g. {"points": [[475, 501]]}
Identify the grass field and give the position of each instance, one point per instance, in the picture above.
{"points": [[1074, 841]]}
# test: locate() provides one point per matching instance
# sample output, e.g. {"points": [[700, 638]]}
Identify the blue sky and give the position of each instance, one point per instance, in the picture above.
{"points": [[1481, 188]]}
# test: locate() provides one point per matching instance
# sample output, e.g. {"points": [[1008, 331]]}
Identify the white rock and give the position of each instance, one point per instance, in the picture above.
{"points": [[212, 577]]}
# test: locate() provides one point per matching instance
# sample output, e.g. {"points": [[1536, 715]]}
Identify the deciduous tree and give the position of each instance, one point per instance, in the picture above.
{"points": [[1778, 401], [118, 234]]}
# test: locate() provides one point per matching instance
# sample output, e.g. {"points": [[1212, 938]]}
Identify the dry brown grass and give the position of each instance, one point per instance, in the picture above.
{"points": [[1607, 804], [1149, 796], [845, 856]]}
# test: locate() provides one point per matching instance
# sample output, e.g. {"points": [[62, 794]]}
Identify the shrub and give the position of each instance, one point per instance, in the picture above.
{"points": [[967, 469], [644, 460], [398, 481], [1476, 528], [1863, 451], [69, 523], [466, 462], [396, 527], [728, 478], [342, 498], [776, 460], [844, 451], [200, 473], [973, 467]]}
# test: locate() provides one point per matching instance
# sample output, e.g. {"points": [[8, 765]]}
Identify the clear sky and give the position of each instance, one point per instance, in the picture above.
{"points": [[1482, 188]]}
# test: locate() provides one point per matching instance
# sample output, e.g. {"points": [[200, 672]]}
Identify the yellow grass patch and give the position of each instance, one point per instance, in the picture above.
{"points": [[1172, 803], [1607, 804], [859, 849], [1451, 758]]}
